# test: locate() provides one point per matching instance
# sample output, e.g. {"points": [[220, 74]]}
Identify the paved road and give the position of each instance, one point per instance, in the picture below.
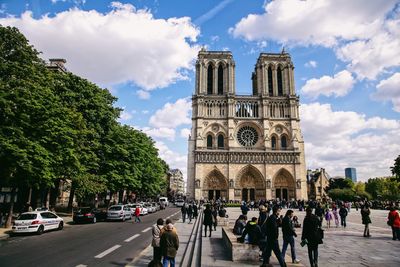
{"points": [[100, 244]]}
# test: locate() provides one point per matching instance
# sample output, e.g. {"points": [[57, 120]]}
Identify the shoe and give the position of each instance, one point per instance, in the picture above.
{"points": [[296, 261]]}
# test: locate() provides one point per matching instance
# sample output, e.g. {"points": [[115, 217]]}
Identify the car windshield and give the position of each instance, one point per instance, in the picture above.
{"points": [[27, 216], [115, 208]]}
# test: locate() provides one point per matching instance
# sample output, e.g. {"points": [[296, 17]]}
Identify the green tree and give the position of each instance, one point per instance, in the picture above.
{"points": [[396, 168], [340, 183], [345, 194]]}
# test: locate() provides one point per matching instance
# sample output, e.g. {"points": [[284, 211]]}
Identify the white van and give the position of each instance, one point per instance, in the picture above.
{"points": [[163, 202]]}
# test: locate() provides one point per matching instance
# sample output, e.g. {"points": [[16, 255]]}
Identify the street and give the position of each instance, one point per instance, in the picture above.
{"points": [[100, 244]]}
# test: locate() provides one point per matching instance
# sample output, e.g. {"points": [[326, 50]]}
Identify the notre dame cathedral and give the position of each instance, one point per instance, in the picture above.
{"points": [[245, 147]]}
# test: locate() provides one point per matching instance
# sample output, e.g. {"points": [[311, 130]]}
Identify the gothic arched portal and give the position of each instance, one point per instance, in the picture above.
{"points": [[215, 186], [283, 185], [251, 183]]}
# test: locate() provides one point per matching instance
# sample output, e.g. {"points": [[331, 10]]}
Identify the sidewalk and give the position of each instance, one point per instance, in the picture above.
{"points": [[184, 230]]}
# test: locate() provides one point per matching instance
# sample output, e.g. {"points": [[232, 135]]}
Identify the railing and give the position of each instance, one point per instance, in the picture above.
{"points": [[254, 157]]}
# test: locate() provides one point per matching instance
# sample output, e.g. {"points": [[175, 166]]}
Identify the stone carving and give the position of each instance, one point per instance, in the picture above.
{"points": [[247, 157], [215, 128], [197, 184], [231, 183], [205, 123], [268, 184], [298, 184], [238, 192]]}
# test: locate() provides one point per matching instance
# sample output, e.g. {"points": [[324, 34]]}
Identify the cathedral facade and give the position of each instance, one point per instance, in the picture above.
{"points": [[245, 147]]}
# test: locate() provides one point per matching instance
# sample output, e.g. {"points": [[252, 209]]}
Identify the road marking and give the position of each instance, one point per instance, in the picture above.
{"points": [[108, 251], [81, 265], [147, 229], [131, 238]]}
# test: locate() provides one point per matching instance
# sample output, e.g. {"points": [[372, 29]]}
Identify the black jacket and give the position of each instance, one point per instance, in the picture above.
{"points": [[254, 232], [287, 227], [343, 212], [272, 230], [208, 218], [310, 228], [183, 209]]}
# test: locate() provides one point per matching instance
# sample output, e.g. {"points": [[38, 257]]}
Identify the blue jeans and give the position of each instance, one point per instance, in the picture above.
{"points": [[137, 219], [273, 246], [168, 260], [286, 241]]}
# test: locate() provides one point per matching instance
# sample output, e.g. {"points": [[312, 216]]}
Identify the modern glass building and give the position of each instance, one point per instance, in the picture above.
{"points": [[351, 173]]}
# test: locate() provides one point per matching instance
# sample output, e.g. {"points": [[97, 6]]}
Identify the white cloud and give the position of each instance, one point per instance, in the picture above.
{"points": [[368, 58], [389, 90], [157, 133], [314, 21], [214, 38], [362, 35], [122, 45], [173, 159], [142, 94], [339, 139], [126, 115], [145, 111], [338, 85], [172, 114], [212, 12], [185, 132], [311, 64]]}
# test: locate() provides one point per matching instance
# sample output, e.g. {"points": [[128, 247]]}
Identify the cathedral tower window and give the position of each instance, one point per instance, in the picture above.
{"points": [[220, 80], [280, 83], [220, 141], [209, 141], [270, 89], [283, 142], [210, 79], [273, 142]]}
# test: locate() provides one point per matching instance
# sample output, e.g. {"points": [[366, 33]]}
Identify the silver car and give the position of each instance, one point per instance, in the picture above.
{"points": [[119, 212]]}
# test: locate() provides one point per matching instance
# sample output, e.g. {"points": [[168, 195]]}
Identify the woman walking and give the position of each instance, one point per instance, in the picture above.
{"points": [[335, 216], [366, 220], [328, 217]]}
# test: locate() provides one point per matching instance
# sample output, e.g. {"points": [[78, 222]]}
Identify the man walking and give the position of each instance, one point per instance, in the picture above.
{"points": [[394, 222], [137, 214], [343, 214], [169, 244], [189, 212], [288, 235], [183, 211], [311, 237], [272, 233]]}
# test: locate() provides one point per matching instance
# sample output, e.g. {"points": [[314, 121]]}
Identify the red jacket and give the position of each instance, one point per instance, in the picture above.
{"points": [[394, 215], [137, 211]]}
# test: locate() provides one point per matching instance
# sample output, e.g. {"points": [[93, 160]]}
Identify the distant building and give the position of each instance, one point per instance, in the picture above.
{"points": [[317, 182], [176, 182], [350, 173]]}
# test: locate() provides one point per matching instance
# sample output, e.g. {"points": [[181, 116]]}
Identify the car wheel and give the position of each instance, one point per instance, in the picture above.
{"points": [[60, 226], [94, 220], [40, 230]]}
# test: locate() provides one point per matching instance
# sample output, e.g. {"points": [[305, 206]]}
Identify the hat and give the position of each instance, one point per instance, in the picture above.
{"points": [[262, 208]]}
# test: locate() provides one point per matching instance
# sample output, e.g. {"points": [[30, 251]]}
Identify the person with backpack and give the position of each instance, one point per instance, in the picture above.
{"points": [[343, 214], [288, 236], [155, 243], [394, 222], [311, 236], [169, 244], [253, 230]]}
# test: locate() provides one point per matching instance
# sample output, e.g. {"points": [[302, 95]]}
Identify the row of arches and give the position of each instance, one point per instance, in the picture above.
{"points": [[249, 184], [279, 143], [215, 142]]}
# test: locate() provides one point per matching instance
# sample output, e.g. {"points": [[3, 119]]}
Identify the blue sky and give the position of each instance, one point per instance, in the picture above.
{"points": [[346, 57]]}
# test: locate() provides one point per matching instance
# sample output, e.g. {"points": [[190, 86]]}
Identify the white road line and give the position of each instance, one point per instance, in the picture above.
{"points": [[108, 251], [147, 229], [131, 238], [81, 265]]}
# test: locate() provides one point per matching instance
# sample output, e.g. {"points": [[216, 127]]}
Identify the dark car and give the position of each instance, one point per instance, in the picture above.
{"points": [[89, 215]]}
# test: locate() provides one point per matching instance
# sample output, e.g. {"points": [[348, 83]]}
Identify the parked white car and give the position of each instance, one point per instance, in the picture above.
{"points": [[149, 207], [179, 203], [119, 212], [143, 210], [163, 202], [37, 222]]}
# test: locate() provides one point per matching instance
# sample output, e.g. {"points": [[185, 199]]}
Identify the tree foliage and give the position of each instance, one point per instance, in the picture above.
{"points": [[396, 168], [386, 188], [345, 194], [340, 184], [56, 126]]}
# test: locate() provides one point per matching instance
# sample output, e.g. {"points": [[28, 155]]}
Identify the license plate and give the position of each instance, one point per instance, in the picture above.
{"points": [[22, 228]]}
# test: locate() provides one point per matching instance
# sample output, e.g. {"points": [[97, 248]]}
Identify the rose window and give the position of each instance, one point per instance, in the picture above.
{"points": [[247, 136]]}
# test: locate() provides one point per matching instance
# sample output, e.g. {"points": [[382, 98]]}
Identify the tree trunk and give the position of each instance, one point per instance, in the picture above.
{"points": [[11, 211], [47, 205], [71, 196]]}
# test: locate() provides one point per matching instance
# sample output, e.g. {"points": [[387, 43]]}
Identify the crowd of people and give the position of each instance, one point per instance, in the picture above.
{"points": [[264, 230]]}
